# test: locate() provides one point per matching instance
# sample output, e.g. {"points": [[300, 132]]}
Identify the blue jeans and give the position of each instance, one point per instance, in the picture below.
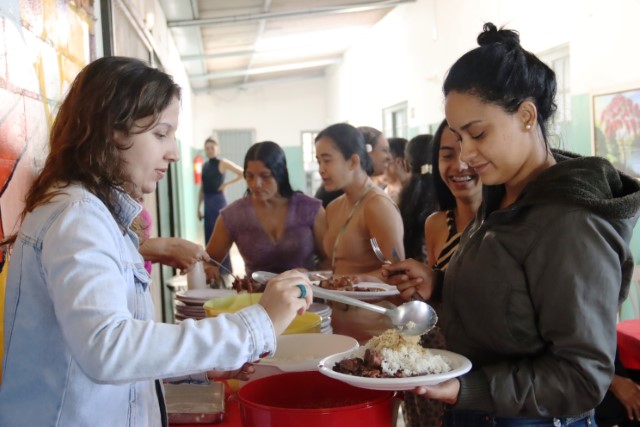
{"points": [[481, 419]]}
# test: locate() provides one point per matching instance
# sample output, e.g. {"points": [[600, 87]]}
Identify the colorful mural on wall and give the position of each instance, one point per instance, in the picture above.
{"points": [[43, 45]]}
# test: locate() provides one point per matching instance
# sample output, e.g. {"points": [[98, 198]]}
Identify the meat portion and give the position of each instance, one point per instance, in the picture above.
{"points": [[370, 366], [392, 355], [346, 283], [338, 283], [247, 284]]}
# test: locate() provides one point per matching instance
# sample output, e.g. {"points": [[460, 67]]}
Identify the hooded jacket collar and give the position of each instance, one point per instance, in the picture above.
{"points": [[590, 182]]}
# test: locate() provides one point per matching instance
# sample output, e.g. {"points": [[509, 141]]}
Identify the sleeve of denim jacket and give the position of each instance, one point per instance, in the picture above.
{"points": [[575, 269], [85, 277]]}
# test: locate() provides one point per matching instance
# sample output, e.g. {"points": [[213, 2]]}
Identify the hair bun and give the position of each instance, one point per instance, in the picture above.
{"points": [[490, 34]]}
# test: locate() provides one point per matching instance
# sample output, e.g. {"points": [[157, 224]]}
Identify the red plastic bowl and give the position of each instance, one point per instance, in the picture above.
{"points": [[311, 399]]}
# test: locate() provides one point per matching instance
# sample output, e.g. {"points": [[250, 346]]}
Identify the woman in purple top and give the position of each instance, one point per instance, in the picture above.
{"points": [[275, 228]]}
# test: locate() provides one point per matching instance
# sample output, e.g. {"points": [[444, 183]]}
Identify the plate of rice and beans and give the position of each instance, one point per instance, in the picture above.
{"points": [[392, 361]]}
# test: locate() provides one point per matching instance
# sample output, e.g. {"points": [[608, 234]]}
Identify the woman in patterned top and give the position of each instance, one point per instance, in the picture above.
{"points": [[459, 193]]}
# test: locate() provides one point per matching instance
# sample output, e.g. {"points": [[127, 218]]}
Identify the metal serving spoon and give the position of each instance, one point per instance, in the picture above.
{"points": [[262, 276], [411, 318]]}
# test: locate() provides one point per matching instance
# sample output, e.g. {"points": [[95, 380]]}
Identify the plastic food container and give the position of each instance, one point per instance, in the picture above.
{"points": [[302, 324], [195, 404], [311, 399]]}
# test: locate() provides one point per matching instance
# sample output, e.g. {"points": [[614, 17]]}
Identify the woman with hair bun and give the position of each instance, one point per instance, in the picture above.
{"points": [[531, 294]]}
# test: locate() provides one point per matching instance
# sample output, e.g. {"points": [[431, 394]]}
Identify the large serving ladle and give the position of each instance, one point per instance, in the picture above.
{"points": [[411, 318]]}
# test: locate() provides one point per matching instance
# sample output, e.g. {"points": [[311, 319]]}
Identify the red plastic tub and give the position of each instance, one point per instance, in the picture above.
{"points": [[311, 399]]}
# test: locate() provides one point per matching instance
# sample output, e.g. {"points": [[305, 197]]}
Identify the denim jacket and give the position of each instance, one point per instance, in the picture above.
{"points": [[81, 346]]}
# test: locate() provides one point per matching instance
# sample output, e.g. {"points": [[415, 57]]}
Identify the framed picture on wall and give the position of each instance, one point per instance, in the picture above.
{"points": [[616, 119]]}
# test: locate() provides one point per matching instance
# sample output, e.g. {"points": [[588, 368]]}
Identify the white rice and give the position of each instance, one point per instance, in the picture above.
{"points": [[400, 353]]}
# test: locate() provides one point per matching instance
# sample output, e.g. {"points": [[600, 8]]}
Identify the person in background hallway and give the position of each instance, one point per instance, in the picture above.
{"points": [[398, 174], [362, 212], [274, 227], [212, 188], [458, 193], [81, 345], [531, 295], [417, 200]]}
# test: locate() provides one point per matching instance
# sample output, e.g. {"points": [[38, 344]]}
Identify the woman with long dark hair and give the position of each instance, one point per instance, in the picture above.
{"points": [[417, 199], [363, 212], [274, 227]]}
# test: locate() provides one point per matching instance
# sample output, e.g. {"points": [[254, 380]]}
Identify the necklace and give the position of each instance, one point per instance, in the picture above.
{"points": [[346, 222]]}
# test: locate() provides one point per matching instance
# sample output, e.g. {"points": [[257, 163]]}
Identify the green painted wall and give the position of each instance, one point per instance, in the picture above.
{"points": [[187, 194], [190, 227], [578, 138], [295, 166], [579, 141]]}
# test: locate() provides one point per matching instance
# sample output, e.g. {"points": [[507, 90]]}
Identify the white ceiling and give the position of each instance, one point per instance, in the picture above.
{"points": [[239, 43]]}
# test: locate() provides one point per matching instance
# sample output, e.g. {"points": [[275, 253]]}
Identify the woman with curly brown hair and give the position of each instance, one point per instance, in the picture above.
{"points": [[81, 345]]}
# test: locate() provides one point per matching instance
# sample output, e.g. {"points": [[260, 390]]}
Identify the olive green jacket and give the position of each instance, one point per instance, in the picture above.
{"points": [[532, 293]]}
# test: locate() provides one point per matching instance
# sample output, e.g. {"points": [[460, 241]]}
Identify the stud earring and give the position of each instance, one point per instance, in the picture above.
{"points": [[528, 126]]}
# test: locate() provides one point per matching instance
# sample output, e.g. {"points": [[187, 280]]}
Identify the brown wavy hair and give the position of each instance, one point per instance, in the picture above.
{"points": [[109, 95]]}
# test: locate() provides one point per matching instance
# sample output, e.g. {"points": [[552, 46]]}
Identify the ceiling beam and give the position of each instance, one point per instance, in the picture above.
{"points": [[265, 70], [218, 55], [247, 85], [347, 8]]}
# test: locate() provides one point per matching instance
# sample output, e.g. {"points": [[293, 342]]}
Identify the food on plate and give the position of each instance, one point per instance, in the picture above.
{"points": [[247, 284], [346, 283], [393, 355]]}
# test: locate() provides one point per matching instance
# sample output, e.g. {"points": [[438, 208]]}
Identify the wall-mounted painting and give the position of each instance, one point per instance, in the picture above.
{"points": [[616, 119]]}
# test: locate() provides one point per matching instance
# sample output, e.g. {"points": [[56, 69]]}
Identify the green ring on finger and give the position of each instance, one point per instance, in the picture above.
{"points": [[303, 291]]}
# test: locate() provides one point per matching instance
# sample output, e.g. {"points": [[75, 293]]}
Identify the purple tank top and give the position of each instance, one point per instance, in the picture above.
{"points": [[296, 246]]}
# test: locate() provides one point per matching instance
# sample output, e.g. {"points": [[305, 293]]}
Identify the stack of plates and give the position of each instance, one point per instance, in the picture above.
{"points": [[324, 311], [189, 303]]}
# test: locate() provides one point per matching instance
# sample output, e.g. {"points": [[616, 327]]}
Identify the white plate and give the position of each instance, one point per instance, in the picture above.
{"points": [[265, 276], [200, 296], [322, 310], [191, 310], [384, 291], [303, 352], [460, 365]]}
